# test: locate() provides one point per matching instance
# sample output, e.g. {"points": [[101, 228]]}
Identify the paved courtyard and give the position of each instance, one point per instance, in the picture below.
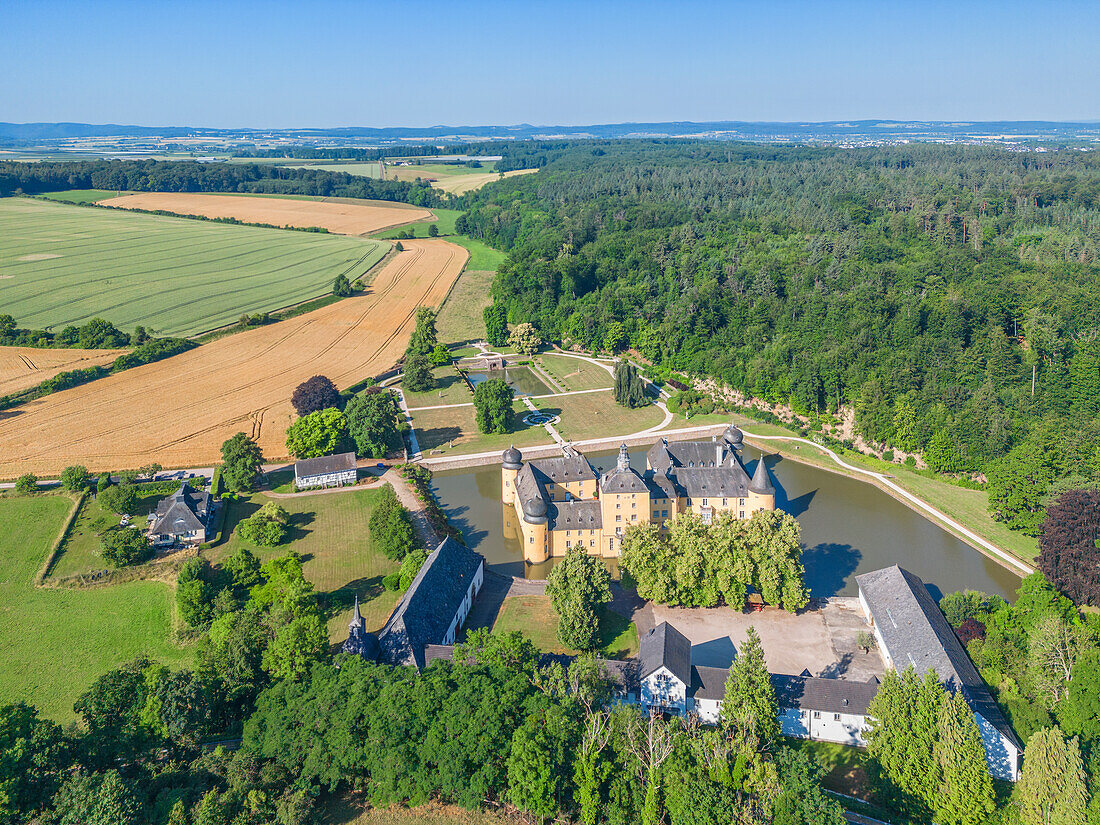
{"points": [[820, 640]]}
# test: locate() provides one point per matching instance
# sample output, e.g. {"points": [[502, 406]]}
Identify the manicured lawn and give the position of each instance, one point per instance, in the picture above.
{"points": [[450, 389], [482, 256], [173, 275], [331, 533], [461, 318], [596, 415], [56, 641], [535, 618], [573, 373], [966, 506], [81, 552], [445, 222], [437, 429]]}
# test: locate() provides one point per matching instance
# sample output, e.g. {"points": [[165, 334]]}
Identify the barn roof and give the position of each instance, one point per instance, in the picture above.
{"points": [[325, 465], [665, 646]]}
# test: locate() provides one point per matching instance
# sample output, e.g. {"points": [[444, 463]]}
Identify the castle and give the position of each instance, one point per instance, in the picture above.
{"points": [[563, 503]]}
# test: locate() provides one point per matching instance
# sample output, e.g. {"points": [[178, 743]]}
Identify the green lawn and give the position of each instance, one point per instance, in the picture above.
{"points": [[64, 264], [461, 317], [450, 389], [845, 767], [573, 373], [437, 429], [445, 222], [596, 415], [482, 256], [330, 531], [535, 618], [56, 641]]}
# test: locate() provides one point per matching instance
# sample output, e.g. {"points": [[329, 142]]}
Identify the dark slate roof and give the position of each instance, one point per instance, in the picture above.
{"points": [[622, 673], [761, 481], [430, 604], [666, 453], [323, 466], [623, 481], [433, 652], [916, 634], [567, 468], [713, 482], [665, 646], [575, 515], [184, 511], [708, 682], [660, 486], [827, 695]]}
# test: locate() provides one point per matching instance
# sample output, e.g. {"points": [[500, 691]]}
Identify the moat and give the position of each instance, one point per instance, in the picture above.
{"points": [[848, 527]]}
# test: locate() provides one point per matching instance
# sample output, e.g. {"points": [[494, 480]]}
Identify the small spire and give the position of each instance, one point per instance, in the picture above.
{"points": [[356, 617], [624, 459], [761, 481]]}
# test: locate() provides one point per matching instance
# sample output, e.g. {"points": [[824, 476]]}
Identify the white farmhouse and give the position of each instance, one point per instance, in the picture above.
{"points": [[326, 471], [664, 671], [912, 632]]}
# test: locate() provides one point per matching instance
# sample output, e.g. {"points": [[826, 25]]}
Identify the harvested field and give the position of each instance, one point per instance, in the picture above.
{"points": [[461, 180], [336, 216], [23, 367], [63, 264], [178, 412]]}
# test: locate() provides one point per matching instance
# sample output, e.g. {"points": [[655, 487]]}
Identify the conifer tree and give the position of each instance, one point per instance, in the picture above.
{"points": [[629, 386], [749, 709], [966, 791], [1052, 789]]}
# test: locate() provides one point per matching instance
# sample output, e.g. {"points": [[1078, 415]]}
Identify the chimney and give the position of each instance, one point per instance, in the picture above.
{"points": [[717, 454]]}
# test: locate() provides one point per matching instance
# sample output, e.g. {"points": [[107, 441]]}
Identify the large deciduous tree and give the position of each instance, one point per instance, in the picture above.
{"points": [[416, 373], [317, 434], [314, 394], [424, 336], [525, 338], [1016, 485], [496, 324], [373, 423], [391, 529], [493, 406], [578, 587], [266, 527], [1068, 552], [241, 463]]}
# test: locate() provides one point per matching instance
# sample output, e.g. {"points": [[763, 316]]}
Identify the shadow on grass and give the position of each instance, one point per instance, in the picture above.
{"points": [[335, 602], [617, 638], [296, 527], [436, 436], [235, 512]]}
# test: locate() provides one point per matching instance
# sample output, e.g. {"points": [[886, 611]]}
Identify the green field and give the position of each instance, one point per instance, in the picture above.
{"points": [[573, 373], [82, 195], [437, 429], [364, 169], [535, 618], [330, 531], [450, 388], [482, 256], [56, 641], [445, 222], [62, 265], [461, 317]]}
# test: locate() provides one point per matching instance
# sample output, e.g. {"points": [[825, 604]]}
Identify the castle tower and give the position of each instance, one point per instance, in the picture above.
{"points": [[536, 526], [509, 469], [623, 462], [761, 491]]}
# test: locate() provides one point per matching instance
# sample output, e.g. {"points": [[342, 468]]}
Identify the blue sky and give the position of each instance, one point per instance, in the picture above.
{"points": [[280, 64]]}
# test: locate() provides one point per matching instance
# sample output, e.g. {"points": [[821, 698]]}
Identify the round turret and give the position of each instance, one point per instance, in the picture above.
{"points": [[733, 436], [534, 511], [513, 458]]}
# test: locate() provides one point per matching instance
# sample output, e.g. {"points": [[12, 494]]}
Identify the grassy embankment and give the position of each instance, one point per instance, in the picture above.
{"points": [[57, 641], [173, 275]]}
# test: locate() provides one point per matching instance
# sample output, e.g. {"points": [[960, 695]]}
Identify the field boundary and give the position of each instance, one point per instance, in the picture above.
{"points": [[63, 533]]}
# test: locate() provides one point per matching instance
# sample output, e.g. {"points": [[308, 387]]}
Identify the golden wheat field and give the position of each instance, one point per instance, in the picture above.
{"points": [[177, 412], [341, 216], [23, 367]]}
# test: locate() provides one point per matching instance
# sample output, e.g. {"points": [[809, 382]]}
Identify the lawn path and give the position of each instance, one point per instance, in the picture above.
{"points": [[409, 500]]}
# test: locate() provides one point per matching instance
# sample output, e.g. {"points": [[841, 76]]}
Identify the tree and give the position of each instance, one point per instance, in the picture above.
{"points": [[749, 708], [590, 770], [241, 463], [266, 527], [123, 546], [297, 645], [74, 478], [525, 338], [578, 586], [866, 641], [373, 423], [496, 324], [314, 394], [391, 529], [1016, 485], [410, 566], [440, 356], [942, 453], [194, 593], [433, 230], [416, 373], [33, 754], [905, 426], [629, 386], [399, 247], [317, 434], [26, 483], [341, 286], [1054, 645], [873, 412], [96, 799], [120, 498], [1068, 552], [538, 761], [424, 336], [1051, 790], [802, 800], [966, 791], [493, 406]]}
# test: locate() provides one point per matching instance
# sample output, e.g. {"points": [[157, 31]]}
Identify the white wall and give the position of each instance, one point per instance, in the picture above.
{"points": [[708, 710], [1000, 754], [327, 480], [663, 689]]}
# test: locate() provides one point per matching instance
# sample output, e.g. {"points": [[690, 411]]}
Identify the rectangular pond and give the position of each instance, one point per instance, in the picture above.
{"points": [[849, 527], [521, 379]]}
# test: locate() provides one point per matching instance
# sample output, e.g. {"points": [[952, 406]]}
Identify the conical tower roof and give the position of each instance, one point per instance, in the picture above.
{"points": [[761, 481], [356, 616]]}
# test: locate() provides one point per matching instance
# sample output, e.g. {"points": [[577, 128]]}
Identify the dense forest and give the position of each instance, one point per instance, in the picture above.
{"points": [[949, 293], [189, 176]]}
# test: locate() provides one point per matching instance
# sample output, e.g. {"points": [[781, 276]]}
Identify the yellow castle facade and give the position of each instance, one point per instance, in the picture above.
{"points": [[562, 503]]}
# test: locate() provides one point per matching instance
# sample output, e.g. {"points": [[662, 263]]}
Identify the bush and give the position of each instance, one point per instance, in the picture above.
{"points": [[392, 582], [26, 483], [74, 478], [391, 527], [120, 498], [440, 355], [970, 630], [267, 527], [341, 287], [124, 546], [411, 565], [888, 455]]}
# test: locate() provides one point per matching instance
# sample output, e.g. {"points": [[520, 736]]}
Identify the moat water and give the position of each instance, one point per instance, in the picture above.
{"points": [[848, 527]]}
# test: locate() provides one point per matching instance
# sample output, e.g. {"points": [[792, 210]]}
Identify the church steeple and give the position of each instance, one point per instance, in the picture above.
{"points": [[356, 616]]}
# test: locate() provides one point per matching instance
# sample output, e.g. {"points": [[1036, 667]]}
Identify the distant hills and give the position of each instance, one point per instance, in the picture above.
{"points": [[828, 131]]}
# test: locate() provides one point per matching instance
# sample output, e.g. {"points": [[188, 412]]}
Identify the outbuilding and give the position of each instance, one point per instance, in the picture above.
{"points": [[326, 471]]}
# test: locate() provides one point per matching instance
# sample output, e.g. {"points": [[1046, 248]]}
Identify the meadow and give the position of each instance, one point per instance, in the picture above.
{"points": [[62, 265], [56, 641], [178, 412], [461, 317]]}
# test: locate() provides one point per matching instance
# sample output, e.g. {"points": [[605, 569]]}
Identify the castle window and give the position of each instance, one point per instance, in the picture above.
{"points": [[633, 504], [618, 518], [725, 502], [664, 514], [531, 540], [656, 514], [633, 516], [742, 514], [568, 544], [618, 506], [704, 502], [592, 543], [742, 502], [836, 717]]}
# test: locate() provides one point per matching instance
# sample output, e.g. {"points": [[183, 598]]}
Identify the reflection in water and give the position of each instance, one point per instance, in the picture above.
{"points": [[848, 527], [521, 379]]}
